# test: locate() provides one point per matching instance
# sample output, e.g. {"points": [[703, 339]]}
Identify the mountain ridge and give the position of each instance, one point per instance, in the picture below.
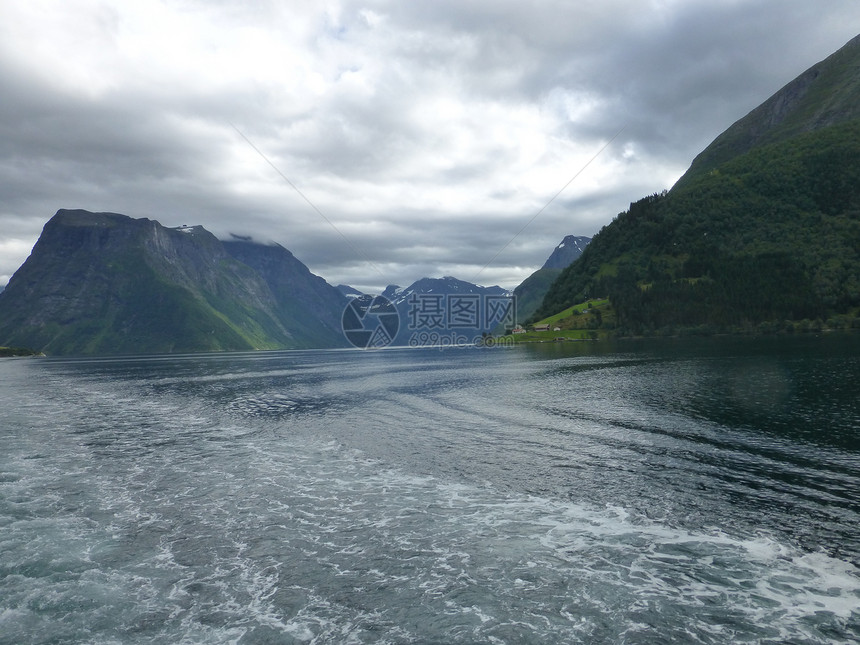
{"points": [[530, 292], [567, 251], [299, 294], [762, 231], [105, 283], [804, 104]]}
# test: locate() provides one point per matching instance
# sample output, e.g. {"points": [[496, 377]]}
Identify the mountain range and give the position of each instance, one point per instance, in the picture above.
{"points": [[104, 283], [433, 311], [761, 232], [527, 296]]}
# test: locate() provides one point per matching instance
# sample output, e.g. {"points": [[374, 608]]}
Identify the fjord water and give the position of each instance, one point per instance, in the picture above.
{"points": [[638, 492]]}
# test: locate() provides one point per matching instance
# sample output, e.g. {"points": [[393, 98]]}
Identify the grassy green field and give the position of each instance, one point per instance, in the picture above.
{"points": [[574, 324], [567, 313]]}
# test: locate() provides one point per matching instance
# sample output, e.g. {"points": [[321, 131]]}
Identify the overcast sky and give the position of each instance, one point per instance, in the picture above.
{"points": [[426, 134]]}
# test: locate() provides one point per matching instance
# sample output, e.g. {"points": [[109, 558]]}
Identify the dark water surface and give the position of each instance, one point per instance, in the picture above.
{"points": [[653, 492]]}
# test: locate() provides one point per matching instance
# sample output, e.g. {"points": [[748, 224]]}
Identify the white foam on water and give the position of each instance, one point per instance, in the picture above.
{"points": [[286, 538], [359, 549], [470, 542]]}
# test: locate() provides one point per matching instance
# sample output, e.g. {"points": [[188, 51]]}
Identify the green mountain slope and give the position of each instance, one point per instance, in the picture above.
{"points": [[762, 229], [305, 303], [826, 94], [104, 283], [531, 291]]}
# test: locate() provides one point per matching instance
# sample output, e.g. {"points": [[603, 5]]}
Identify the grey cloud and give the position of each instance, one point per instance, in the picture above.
{"points": [[418, 192]]}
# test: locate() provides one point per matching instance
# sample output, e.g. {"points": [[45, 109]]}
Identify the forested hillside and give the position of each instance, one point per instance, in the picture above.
{"points": [[770, 235]]}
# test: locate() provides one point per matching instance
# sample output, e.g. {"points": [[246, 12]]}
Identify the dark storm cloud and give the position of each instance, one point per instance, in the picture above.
{"points": [[429, 134]]}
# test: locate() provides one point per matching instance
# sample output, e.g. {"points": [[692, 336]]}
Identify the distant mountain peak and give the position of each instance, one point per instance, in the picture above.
{"points": [[570, 248], [447, 284], [392, 291]]}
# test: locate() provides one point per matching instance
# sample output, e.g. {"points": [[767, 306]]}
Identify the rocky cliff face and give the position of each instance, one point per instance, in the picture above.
{"points": [[570, 248], [304, 301], [104, 283]]}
